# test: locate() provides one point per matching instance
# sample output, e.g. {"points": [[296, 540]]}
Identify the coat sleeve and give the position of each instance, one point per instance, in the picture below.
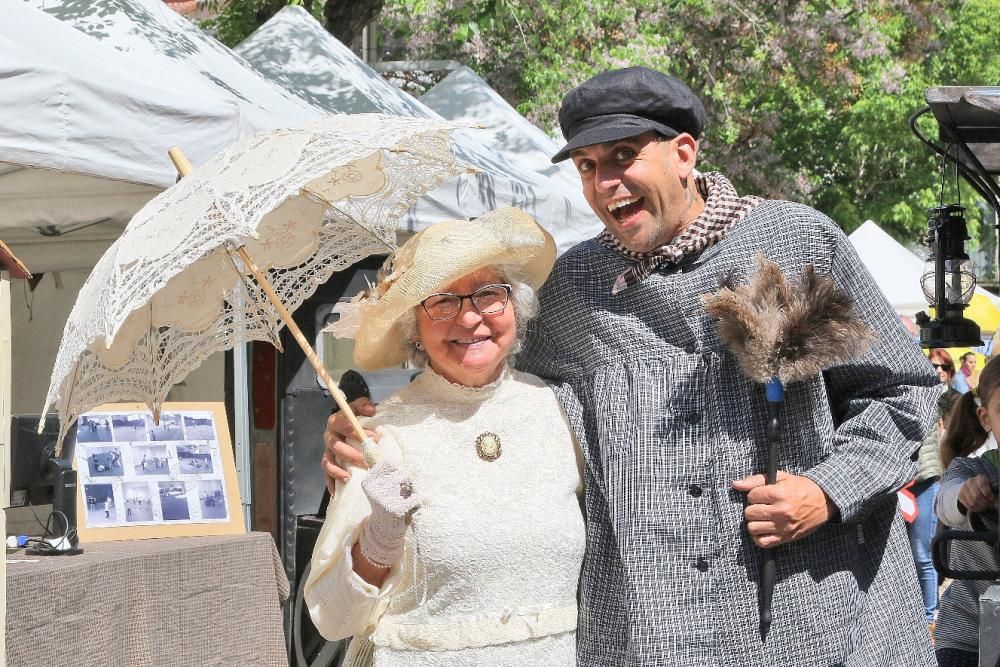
{"points": [[882, 402], [341, 603]]}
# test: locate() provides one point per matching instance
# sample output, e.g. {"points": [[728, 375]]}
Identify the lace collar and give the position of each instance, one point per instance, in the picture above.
{"points": [[444, 389]]}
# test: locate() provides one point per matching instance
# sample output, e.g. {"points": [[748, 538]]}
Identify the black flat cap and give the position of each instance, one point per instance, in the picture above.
{"points": [[625, 102]]}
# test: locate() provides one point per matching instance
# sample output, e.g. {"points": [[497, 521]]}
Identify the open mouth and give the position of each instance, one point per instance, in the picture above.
{"points": [[624, 209], [471, 341]]}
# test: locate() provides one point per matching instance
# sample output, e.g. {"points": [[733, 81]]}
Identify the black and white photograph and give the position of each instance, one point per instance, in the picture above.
{"points": [[150, 460], [169, 428], [104, 461], [195, 459], [199, 426], [138, 502], [93, 428], [212, 498], [129, 427], [100, 504], [173, 501]]}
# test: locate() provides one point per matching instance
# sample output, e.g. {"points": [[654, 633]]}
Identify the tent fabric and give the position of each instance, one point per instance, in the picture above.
{"points": [[464, 97], [897, 271], [148, 31], [84, 134], [76, 90], [111, 85], [293, 49]]}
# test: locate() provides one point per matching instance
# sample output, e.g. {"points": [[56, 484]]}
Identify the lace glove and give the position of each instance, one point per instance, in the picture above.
{"points": [[393, 500]]}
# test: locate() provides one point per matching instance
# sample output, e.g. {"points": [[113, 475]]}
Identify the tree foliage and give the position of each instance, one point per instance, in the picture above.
{"points": [[344, 19], [808, 100]]}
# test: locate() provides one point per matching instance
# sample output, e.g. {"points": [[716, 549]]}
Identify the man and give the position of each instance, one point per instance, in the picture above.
{"points": [[673, 432]]}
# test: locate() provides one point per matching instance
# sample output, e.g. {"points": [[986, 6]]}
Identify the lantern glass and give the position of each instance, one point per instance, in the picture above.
{"points": [[959, 281]]}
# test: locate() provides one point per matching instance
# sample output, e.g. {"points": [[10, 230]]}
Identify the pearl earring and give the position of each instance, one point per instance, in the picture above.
{"points": [[417, 344]]}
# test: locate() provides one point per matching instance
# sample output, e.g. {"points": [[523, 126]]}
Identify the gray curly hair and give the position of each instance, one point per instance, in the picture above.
{"points": [[522, 298]]}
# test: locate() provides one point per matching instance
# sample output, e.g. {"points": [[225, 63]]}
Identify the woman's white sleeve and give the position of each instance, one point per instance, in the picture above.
{"points": [[341, 603]]}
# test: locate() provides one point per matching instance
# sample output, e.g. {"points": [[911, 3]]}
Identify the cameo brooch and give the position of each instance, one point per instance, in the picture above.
{"points": [[488, 446]]}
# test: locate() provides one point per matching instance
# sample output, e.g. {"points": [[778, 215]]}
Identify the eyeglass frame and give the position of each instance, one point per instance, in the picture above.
{"points": [[507, 287]]}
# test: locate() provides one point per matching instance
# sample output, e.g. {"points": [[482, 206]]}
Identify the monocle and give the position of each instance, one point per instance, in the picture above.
{"points": [[488, 446]]}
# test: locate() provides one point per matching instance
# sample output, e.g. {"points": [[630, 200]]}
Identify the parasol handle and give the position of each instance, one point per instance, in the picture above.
{"points": [[317, 365], [183, 167]]}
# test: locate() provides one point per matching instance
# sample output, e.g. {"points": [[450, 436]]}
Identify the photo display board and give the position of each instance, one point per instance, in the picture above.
{"points": [[140, 479]]}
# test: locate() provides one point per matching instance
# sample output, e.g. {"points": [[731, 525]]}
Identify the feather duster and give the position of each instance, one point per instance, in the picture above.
{"points": [[790, 331], [783, 332]]}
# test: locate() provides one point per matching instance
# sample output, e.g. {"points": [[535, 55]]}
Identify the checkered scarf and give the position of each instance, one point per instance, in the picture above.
{"points": [[723, 209]]}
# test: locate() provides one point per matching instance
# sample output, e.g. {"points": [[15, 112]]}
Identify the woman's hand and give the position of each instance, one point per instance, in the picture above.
{"points": [[337, 452], [976, 495], [393, 500]]}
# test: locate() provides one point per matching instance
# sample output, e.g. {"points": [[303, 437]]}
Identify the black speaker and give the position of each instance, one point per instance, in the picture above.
{"points": [[29, 455]]}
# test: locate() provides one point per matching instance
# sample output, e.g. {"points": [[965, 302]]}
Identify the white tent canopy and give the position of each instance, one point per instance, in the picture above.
{"points": [[148, 31], [895, 269], [464, 97], [295, 50], [111, 86], [83, 137]]}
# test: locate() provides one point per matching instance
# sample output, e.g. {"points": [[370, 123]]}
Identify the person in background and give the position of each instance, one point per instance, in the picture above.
{"points": [[968, 487], [924, 489], [968, 369], [959, 381]]}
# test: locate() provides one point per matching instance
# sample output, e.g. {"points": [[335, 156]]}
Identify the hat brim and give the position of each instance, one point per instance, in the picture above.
{"points": [[604, 129], [439, 255]]}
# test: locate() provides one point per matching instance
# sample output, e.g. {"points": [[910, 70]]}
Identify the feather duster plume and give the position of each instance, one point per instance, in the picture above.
{"points": [[786, 330]]}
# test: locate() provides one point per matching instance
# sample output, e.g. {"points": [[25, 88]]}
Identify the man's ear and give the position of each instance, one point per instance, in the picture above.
{"points": [[687, 153]]}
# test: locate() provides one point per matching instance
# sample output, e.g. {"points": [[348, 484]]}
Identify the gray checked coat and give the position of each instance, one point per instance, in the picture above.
{"points": [[667, 421]]}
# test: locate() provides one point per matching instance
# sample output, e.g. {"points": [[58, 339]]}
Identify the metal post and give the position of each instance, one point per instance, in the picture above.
{"points": [[241, 402], [989, 627]]}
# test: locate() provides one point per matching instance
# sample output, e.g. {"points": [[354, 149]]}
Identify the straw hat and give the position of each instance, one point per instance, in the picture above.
{"points": [[437, 256]]}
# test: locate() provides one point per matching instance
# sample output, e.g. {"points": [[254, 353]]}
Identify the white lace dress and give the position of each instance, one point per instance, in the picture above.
{"points": [[492, 557]]}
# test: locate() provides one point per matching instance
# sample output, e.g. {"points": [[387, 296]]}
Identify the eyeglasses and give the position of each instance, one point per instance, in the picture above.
{"points": [[487, 300], [942, 367]]}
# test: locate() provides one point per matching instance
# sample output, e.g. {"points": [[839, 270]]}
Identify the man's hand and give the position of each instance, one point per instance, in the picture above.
{"points": [[785, 511], [976, 495], [337, 452]]}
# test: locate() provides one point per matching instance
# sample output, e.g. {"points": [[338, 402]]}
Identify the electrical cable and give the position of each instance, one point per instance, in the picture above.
{"points": [[45, 542]]}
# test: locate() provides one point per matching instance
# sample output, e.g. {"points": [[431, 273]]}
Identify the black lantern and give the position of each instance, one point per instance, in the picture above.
{"points": [[948, 282]]}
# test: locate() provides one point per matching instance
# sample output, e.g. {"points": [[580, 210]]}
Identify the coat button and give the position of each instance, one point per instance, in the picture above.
{"points": [[694, 418], [690, 349], [695, 490], [702, 565]]}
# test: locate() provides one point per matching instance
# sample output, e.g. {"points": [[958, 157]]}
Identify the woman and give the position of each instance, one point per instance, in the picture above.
{"points": [[925, 489], [969, 485], [463, 545]]}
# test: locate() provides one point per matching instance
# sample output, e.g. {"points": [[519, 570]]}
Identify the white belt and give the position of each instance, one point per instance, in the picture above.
{"points": [[452, 634]]}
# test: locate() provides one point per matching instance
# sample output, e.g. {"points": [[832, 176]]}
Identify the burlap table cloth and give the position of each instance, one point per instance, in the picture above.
{"points": [[213, 601]]}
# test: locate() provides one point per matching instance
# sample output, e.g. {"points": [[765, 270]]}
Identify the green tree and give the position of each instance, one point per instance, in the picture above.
{"points": [[808, 100], [344, 19]]}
